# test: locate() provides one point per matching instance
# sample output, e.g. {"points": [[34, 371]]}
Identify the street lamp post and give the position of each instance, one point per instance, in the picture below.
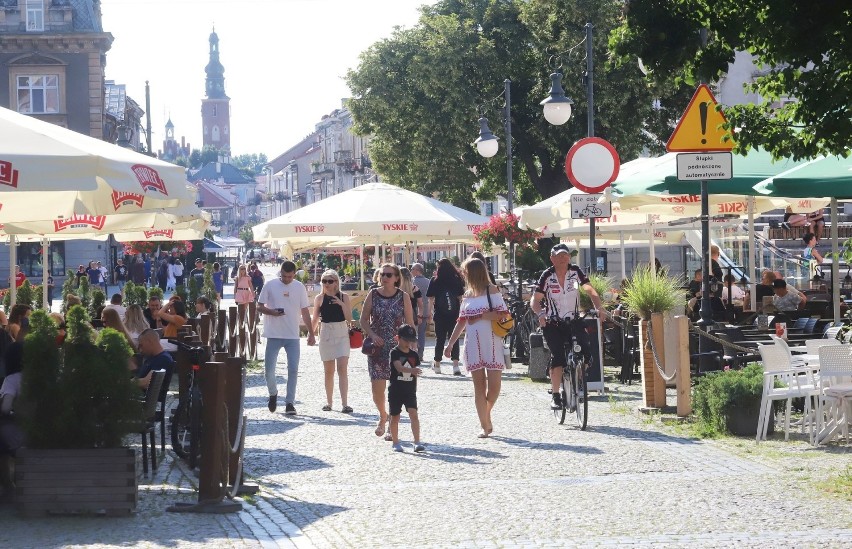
{"points": [[486, 145], [557, 111]]}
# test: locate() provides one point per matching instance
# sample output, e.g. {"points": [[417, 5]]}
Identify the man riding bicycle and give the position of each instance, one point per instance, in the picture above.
{"points": [[556, 299]]}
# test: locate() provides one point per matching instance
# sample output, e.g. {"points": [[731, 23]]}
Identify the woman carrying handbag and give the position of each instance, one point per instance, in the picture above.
{"points": [[483, 349], [333, 309], [243, 288]]}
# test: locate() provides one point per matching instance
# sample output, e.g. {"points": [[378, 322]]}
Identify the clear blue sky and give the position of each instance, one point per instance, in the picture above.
{"points": [[284, 60]]}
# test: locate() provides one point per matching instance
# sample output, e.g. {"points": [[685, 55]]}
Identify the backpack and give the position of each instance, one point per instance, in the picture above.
{"points": [[446, 304]]}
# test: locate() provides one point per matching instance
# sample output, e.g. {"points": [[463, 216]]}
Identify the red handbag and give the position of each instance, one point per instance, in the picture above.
{"points": [[356, 338]]}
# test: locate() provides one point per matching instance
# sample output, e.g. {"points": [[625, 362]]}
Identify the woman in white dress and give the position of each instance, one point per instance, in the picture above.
{"points": [[483, 349]]}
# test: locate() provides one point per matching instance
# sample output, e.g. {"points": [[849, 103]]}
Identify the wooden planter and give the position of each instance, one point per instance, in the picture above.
{"points": [[76, 481], [653, 386]]}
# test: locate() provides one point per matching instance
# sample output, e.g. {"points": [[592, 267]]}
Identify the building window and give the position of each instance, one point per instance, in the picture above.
{"points": [[38, 94], [35, 15], [29, 258], [215, 133], [215, 110], [205, 130]]}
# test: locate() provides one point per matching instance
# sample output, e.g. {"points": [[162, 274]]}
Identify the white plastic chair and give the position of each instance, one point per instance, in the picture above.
{"points": [[814, 345], [795, 382], [835, 393]]}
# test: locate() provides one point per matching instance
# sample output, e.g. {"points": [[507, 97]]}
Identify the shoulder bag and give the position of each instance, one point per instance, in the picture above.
{"points": [[502, 325]]}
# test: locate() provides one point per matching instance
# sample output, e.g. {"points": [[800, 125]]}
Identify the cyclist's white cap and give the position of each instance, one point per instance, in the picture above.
{"points": [[560, 249]]}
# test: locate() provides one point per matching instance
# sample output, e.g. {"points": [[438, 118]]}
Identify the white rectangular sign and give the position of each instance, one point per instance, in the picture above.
{"points": [[704, 166], [585, 206]]}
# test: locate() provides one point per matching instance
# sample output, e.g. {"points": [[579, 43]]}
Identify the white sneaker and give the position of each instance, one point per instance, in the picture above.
{"points": [[418, 447], [436, 367]]}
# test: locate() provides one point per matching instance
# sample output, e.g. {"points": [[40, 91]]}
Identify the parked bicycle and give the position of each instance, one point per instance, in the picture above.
{"points": [[526, 323], [186, 417], [573, 385]]}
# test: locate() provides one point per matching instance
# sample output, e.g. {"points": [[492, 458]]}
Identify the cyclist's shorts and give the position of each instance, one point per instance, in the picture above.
{"points": [[558, 336]]}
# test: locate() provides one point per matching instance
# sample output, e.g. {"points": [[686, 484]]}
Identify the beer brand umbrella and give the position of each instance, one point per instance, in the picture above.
{"points": [[370, 213], [48, 172]]}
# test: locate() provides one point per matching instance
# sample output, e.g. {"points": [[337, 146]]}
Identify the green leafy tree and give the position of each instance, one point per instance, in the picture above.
{"points": [[250, 164], [803, 51], [98, 302], [419, 92], [208, 288]]}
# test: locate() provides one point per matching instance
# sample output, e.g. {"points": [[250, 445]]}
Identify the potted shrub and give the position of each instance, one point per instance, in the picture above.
{"points": [[77, 404], [649, 296], [729, 401]]}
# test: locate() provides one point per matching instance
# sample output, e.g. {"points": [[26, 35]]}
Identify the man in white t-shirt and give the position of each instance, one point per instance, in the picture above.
{"points": [[282, 301]]}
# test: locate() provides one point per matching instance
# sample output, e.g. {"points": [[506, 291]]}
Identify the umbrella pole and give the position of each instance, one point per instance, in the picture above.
{"points": [[13, 260], [623, 258], [835, 267], [651, 248], [361, 261], [752, 261], [45, 272]]}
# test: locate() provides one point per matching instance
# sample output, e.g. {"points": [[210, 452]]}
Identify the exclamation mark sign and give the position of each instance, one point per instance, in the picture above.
{"points": [[702, 112]]}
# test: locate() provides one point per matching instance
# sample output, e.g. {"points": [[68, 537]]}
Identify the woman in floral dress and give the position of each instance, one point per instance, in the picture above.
{"points": [[385, 309], [483, 349]]}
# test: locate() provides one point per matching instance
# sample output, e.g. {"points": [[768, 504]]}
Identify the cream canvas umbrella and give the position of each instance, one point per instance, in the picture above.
{"points": [[370, 213], [48, 172], [189, 218]]}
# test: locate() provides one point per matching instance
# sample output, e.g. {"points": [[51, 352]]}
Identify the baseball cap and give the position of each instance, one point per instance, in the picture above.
{"points": [[560, 249], [407, 333]]}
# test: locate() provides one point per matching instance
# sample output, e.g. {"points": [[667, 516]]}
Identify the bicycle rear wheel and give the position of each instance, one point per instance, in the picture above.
{"points": [[180, 431], [581, 399]]}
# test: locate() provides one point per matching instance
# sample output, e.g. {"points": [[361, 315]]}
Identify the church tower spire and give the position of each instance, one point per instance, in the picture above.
{"points": [[215, 107]]}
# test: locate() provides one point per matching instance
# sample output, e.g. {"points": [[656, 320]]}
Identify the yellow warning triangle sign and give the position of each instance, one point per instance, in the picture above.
{"points": [[698, 129]]}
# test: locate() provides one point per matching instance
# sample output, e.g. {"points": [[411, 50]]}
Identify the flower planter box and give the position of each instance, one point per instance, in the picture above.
{"points": [[76, 481], [653, 386]]}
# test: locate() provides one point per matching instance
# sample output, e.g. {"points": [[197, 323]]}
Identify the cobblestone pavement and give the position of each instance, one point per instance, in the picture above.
{"points": [[327, 481]]}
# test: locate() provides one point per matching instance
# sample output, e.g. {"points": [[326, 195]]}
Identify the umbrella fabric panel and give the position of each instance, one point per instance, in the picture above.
{"points": [[184, 217], [47, 171], [374, 210], [824, 176]]}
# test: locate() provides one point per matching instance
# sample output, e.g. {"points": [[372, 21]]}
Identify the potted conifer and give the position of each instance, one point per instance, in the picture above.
{"points": [[77, 404]]}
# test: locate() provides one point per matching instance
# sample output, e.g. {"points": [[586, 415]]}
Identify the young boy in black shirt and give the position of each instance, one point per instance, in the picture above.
{"points": [[403, 386]]}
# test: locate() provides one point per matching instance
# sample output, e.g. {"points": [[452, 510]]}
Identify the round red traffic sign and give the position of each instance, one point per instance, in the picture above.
{"points": [[592, 164]]}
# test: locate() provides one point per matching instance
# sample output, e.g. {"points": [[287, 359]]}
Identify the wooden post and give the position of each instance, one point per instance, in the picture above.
{"points": [[213, 476], [234, 367], [653, 386], [683, 382]]}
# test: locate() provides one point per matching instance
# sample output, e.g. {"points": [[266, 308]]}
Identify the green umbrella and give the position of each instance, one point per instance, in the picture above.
{"points": [[824, 176]]}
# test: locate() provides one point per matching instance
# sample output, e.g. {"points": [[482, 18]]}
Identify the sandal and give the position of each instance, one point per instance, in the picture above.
{"points": [[380, 428], [326, 408], [482, 434], [388, 437], [346, 409]]}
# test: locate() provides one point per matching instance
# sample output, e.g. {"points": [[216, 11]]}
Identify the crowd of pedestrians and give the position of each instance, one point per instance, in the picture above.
{"points": [[393, 320]]}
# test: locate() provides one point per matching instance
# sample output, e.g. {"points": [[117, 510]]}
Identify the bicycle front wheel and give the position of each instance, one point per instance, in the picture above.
{"points": [[581, 398], [567, 395]]}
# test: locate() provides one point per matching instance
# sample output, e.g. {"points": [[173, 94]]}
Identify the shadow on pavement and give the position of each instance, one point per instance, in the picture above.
{"points": [[457, 454], [638, 434], [284, 460], [548, 446]]}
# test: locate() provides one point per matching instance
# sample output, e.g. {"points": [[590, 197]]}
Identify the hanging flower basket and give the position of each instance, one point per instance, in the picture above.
{"points": [[501, 229], [180, 247]]}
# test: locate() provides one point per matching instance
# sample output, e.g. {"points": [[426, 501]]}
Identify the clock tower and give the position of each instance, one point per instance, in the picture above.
{"points": [[216, 106]]}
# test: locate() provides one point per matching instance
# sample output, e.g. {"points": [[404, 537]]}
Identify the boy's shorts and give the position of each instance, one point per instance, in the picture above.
{"points": [[399, 399]]}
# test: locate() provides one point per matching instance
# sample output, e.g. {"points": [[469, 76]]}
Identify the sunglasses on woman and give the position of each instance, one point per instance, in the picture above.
{"points": [[328, 281], [388, 275]]}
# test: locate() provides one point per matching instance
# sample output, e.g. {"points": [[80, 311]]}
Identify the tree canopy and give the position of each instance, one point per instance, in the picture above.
{"points": [[420, 93], [250, 164], [803, 51]]}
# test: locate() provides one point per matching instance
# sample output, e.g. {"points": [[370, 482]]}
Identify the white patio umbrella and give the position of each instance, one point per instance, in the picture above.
{"points": [[48, 172], [370, 213], [186, 218]]}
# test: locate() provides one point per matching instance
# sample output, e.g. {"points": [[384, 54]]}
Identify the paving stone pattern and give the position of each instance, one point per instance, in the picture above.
{"points": [[328, 481]]}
